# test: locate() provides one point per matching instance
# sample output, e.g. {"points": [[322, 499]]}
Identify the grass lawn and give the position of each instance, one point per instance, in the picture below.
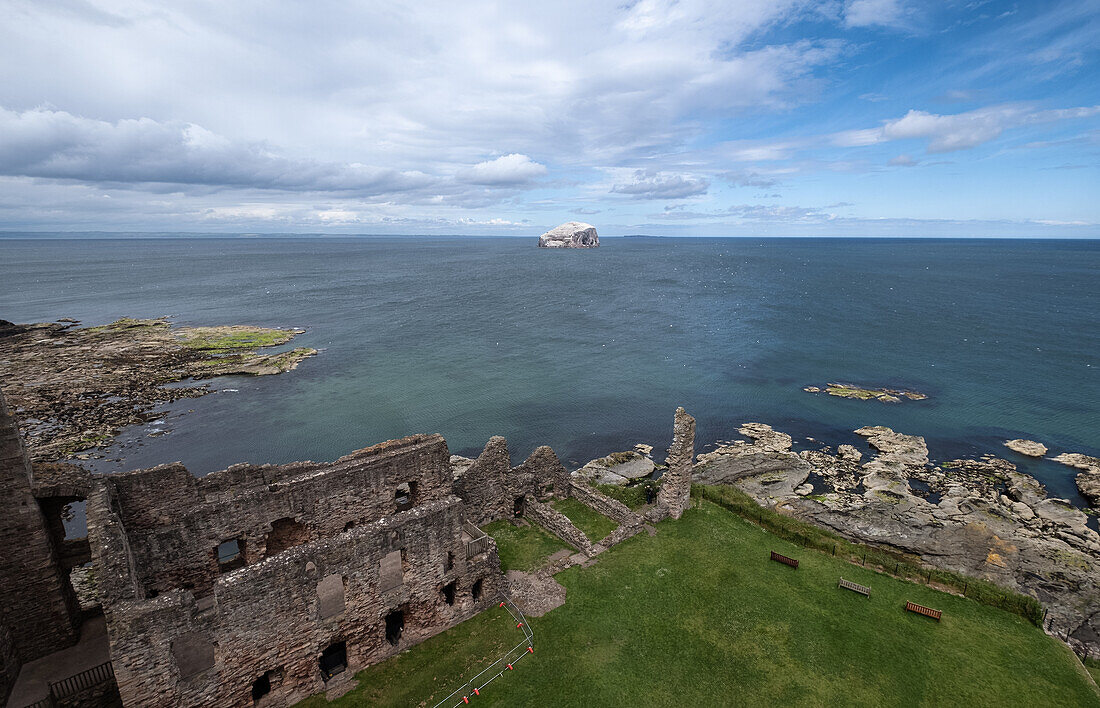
{"points": [[633, 496], [594, 524], [698, 615], [522, 547]]}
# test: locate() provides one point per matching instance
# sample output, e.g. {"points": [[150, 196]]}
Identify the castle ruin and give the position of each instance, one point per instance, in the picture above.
{"points": [[262, 584]]}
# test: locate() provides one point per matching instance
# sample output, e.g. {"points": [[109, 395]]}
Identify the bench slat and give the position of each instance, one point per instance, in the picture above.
{"points": [[779, 557], [854, 587], [922, 610]]}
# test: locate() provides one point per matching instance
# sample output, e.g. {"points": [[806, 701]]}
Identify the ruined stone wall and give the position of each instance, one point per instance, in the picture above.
{"points": [[9, 661], [557, 523], [491, 488], [278, 614], [481, 485], [174, 521], [675, 491], [40, 608], [541, 475], [598, 501]]}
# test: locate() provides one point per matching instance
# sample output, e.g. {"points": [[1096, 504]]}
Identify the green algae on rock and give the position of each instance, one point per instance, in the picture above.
{"points": [[75, 387], [863, 393]]}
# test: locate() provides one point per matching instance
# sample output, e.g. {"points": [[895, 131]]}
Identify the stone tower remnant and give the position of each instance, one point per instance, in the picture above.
{"points": [[675, 492]]}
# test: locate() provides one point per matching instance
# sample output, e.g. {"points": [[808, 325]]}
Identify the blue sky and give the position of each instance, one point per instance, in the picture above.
{"points": [[761, 117]]}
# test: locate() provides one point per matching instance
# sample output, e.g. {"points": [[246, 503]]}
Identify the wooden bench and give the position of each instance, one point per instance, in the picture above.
{"points": [[784, 559], [922, 610], [854, 587]]}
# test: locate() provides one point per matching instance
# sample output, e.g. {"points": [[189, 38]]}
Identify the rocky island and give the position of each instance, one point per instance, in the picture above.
{"points": [[863, 393], [572, 234], [74, 387]]}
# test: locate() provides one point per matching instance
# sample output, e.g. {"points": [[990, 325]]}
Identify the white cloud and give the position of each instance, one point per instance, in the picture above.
{"points": [[902, 161], [961, 131], [654, 185], [513, 169], [866, 13], [53, 144]]}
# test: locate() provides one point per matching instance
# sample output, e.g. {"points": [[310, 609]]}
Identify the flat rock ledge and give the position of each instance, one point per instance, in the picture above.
{"points": [[1026, 447], [619, 468], [572, 234], [1088, 482], [74, 387]]}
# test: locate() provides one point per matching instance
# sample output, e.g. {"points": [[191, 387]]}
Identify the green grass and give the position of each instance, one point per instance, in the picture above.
{"points": [[522, 547], [230, 339], [594, 524], [1093, 665], [808, 535], [633, 496], [698, 615]]}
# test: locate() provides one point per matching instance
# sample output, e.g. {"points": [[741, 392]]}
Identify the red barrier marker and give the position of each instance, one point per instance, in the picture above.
{"points": [[465, 699], [518, 626], [477, 692], [509, 667], [502, 604], [530, 650]]}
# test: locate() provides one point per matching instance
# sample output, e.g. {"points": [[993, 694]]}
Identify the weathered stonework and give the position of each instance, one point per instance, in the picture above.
{"points": [[675, 491], [37, 606], [558, 524], [327, 552]]}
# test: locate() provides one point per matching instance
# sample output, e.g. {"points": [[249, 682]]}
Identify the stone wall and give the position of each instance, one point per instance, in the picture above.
{"points": [[557, 523], [542, 475], [39, 606], [175, 522], [9, 661], [278, 614], [598, 501], [675, 491], [481, 485]]}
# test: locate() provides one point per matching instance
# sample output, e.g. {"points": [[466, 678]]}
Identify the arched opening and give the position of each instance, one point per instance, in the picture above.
{"points": [[476, 590], [519, 506]]}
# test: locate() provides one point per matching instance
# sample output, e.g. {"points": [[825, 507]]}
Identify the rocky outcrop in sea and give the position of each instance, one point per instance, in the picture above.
{"points": [[572, 234]]}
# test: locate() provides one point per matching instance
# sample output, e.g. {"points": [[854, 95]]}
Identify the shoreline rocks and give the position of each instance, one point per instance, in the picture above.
{"points": [[1088, 481], [572, 234], [980, 517], [74, 387], [1026, 447]]}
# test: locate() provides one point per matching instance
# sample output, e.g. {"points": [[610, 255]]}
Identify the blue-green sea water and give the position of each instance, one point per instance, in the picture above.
{"points": [[591, 351]]}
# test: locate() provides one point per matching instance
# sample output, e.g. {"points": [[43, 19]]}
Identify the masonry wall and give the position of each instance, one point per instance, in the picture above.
{"points": [[675, 492], [9, 661], [481, 486], [279, 614], [40, 608], [174, 521]]}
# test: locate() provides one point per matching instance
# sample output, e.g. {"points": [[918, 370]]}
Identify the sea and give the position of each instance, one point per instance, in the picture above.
{"points": [[591, 351]]}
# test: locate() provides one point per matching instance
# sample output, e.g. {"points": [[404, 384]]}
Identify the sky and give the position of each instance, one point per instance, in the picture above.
{"points": [[663, 117]]}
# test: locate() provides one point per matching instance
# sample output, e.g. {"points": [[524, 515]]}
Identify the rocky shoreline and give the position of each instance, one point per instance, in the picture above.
{"points": [[75, 387], [982, 518]]}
